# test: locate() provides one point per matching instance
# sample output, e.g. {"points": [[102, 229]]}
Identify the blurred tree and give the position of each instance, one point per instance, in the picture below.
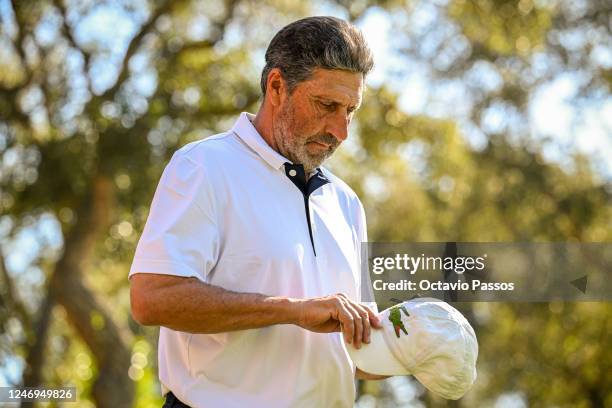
{"points": [[87, 125], [422, 182], [91, 157]]}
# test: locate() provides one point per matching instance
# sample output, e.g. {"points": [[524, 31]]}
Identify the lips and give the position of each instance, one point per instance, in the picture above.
{"points": [[321, 144]]}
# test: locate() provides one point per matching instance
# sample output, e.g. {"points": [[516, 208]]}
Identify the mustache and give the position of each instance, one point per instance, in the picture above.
{"points": [[326, 139]]}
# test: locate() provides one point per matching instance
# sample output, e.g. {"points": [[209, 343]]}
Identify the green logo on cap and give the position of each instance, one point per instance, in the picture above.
{"points": [[395, 317]]}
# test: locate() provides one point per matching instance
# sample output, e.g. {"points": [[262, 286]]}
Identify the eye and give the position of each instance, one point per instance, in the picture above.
{"points": [[328, 105]]}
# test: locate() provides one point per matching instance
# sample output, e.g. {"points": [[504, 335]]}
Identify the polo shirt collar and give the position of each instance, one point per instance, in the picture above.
{"points": [[247, 132]]}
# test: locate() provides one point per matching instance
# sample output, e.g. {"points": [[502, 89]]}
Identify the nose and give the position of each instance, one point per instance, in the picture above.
{"points": [[337, 125]]}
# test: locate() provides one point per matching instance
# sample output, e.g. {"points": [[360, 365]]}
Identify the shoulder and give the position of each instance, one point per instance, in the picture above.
{"points": [[204, 151], [197, 163], [217, 155], [195, 169]]}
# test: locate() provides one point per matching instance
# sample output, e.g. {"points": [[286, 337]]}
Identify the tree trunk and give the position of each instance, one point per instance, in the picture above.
{"points": [[109, 346], [35, 354]]}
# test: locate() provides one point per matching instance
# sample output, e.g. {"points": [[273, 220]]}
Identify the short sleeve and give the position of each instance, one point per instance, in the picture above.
{"points": [[180, 236]]}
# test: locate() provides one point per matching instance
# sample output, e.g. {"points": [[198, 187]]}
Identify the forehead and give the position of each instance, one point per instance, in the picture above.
{"points": [[340, 86]]}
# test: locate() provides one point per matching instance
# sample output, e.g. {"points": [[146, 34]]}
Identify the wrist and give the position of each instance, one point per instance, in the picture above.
{"points": [[287, 310]]}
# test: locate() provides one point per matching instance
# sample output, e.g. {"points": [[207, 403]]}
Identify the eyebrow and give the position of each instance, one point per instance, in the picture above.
{"points": [[334, 101]]}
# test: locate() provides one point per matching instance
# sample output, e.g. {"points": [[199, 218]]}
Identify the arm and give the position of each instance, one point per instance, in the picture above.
{"points": [[187, 304]]}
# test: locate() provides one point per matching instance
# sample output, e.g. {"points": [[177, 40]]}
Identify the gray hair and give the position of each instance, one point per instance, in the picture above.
{"points": [[316, 42]]}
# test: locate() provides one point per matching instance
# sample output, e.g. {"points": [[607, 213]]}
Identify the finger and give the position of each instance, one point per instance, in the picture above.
{"points": [[373, 317], [365, 321], [347, 321], [358, 322]]}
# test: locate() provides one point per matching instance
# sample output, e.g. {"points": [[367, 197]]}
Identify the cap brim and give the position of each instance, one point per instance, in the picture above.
{"points": [[376, 357]]}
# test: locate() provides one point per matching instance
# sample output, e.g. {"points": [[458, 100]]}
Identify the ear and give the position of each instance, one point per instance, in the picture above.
{"points": [[276, 87]]}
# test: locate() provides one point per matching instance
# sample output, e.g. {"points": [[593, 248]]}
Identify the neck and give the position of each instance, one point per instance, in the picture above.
{"points": [[263, 123]]}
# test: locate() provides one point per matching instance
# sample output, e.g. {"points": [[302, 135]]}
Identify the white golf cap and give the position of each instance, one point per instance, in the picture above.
{"points": [[430, 340]]}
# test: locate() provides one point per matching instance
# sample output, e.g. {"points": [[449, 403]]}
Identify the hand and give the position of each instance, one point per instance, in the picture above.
{"points": [[338, 313]]}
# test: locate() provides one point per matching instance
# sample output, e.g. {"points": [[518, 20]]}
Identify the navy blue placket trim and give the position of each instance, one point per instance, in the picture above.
{"points": [[297, 175]]}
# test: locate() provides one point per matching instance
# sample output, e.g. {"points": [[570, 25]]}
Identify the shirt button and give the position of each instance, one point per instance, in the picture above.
{"points": [[292, 173]]}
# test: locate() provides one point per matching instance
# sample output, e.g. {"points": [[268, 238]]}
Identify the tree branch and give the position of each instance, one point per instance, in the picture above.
{"points": [[72, 41], [133, 47], [20, 38], [221, 25], [32, 374]]}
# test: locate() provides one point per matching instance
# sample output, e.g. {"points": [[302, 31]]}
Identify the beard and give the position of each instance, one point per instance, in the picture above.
{"points": [[292, 143]]}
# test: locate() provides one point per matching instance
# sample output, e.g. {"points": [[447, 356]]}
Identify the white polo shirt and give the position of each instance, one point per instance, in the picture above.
{"points": [[228, 211]]}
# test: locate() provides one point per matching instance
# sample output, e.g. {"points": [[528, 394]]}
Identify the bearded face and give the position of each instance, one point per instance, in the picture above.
{"points": [[313, 120], [299, 145]]}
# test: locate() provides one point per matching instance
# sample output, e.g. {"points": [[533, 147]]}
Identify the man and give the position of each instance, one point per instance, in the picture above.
{"points": [[250, 257]]}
